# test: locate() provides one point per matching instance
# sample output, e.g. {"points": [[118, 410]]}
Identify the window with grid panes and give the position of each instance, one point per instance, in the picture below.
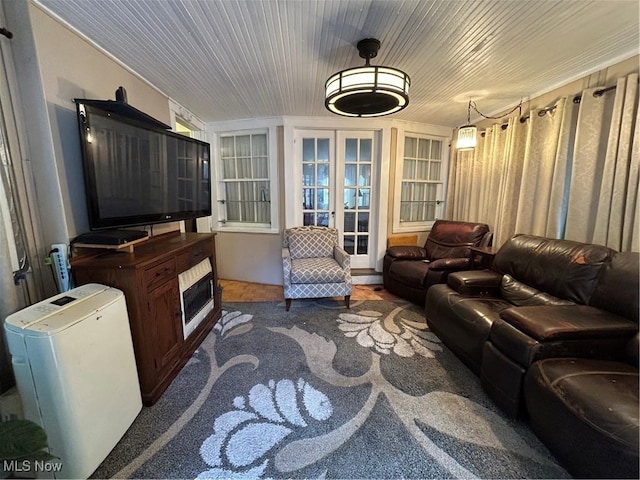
{"points": [[245, 183], [422, 181]]}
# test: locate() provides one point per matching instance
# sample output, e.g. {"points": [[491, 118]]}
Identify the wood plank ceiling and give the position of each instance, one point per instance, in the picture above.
{"points": [[233, 59]]}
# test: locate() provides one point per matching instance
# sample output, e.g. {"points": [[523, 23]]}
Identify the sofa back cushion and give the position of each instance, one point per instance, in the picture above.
{"points": [[312, 243], [618, 287], [522, 295], [451, 239], [563, 268]]}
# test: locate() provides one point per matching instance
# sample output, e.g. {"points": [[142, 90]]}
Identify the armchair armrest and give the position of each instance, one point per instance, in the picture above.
{"points": [[286, 266], [342, 257], [449, 264], [407, 252], [476, 282]]}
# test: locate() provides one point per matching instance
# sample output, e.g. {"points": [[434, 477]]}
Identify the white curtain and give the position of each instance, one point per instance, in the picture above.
{"points": [[569, 171], [603, 197]]}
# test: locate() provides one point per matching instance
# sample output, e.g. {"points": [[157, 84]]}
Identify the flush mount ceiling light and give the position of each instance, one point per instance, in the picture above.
{"points": [[368, 91]]}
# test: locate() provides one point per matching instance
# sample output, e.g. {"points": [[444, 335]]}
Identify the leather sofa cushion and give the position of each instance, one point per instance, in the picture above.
{"points": [[568, 322], [586, 413], [521, 295], [618, 288], [316, 270], [601, 393], [453, 239], [562, 268], [409, 272]]}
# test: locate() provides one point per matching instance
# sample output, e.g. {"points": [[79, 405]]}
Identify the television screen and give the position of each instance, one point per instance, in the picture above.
{"points": [[135, 172]]}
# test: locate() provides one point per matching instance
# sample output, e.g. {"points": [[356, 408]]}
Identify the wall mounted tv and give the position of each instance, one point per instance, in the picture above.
{"points": [[137, 172]]}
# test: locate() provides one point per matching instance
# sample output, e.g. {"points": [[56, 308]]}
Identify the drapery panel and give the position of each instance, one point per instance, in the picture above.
{"points": [[569, 171]]}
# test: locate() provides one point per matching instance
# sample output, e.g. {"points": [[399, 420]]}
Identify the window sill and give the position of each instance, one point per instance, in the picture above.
{"points": [[241, 229]]}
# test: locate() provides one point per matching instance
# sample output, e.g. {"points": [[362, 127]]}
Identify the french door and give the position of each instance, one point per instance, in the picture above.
{"points": [[338, 178]]}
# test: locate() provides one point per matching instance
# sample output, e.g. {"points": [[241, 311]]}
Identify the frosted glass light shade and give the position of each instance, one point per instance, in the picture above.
{"points": [[467, 137], [367, 91]]}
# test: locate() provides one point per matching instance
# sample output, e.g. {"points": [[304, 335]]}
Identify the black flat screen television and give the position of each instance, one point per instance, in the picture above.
{"points": [[136, 172]]}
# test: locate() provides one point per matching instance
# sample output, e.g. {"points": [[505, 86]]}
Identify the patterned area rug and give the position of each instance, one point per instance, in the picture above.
{"points": [[325, 392]]}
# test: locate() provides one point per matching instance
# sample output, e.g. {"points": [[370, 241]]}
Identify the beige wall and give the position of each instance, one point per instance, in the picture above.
{"points": [[254, 257], [72, 68]]}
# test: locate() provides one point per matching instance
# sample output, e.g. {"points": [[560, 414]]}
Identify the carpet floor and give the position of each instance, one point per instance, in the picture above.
{"points": [[325, 392]]}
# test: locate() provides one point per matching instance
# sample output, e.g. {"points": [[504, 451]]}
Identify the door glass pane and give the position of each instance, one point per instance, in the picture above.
{"points": [[363, 197], [308, 174], [350, 173], [349, 222], [308, 149], [307, 198], [364, 180], [365, 150], [323, 199], [363, 244], [350, 198], [349, 244], [307, 219], [323, 150], [351, 150], [323, 219], [363, 222], [323, 174]]}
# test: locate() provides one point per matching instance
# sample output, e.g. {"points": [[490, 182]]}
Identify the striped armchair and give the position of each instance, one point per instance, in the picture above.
{"points": [[314, 265]]}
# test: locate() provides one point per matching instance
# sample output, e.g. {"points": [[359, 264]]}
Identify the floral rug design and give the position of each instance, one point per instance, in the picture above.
{"points": [[323, 391]]}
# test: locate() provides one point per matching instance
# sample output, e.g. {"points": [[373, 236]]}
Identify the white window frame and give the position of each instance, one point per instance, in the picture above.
{"points": [[431, 134], [216, 132]]}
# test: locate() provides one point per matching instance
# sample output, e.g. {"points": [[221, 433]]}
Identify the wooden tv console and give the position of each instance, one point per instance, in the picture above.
{"points": [[148, 276]]}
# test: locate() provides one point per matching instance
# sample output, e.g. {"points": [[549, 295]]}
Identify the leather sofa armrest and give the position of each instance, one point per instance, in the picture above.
{"points": [[476, 282], [449, 264], [548, 323], [407, 252]]}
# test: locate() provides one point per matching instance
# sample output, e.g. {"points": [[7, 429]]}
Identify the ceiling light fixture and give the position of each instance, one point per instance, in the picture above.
{"points": [[368, 91], [467, 134]]}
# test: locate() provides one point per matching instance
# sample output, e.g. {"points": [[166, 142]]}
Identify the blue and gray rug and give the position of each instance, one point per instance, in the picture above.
{"points": [[325, 392]]}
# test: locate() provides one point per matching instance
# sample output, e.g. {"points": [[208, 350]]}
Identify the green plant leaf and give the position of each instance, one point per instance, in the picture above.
{"points": [[20, 439]]}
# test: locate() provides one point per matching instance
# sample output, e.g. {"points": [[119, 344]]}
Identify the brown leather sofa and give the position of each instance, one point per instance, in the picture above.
{"points": [[559, 314], [408, 271]]}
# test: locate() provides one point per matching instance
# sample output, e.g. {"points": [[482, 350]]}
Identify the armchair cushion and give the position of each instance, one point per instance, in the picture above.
{"points": [[310, 244], [316, 270]]}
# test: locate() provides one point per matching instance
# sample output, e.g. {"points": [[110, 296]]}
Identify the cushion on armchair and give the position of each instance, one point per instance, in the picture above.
{"points": [[311, 244]]}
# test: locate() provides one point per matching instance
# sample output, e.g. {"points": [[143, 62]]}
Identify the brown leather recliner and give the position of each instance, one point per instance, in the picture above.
{"points": [[408, 271]]}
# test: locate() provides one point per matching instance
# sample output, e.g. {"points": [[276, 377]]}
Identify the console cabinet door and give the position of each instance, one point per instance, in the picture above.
{"points": [[166, 324]]}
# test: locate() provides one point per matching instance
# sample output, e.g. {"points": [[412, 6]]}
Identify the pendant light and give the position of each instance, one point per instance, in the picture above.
{"points": [[369, 91], [467, 134]]}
